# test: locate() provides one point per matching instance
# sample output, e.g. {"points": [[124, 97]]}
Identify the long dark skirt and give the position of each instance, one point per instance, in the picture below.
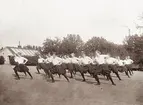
{"points": [[39, 66], [21, 68], [123, 69], [114, 69], [60, 70], [129, 69], [103, 69]]}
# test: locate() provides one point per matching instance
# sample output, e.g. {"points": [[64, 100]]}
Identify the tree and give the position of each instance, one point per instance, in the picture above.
{"points": [[105, 47], [134, 46], [96, 43], [32, 47], [28, 47], [51, 45], [71, 44]]}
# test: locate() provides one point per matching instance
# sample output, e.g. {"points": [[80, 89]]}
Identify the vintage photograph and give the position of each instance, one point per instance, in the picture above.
{"points": [[71, 52]]}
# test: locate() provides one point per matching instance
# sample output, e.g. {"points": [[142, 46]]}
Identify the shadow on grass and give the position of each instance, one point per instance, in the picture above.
{"points": [[45, 77]]}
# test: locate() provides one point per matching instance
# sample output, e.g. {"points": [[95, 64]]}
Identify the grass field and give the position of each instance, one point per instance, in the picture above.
{"points": [[39, 91]]}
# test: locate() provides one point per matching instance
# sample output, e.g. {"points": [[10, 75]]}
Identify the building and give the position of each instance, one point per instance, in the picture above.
{"points": [[11, 51]]}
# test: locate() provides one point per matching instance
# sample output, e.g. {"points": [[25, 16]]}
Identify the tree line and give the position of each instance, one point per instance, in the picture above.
{"points": [[74, 44], [32, 47], [132, 46]]}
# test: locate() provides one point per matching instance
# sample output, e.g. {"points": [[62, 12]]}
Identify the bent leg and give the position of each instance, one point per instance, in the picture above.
{"points": [[117, 74], [66, 77], [111, 79], [16, 74], [38, 70], [82, 74], [97, 79], [30, 74]]}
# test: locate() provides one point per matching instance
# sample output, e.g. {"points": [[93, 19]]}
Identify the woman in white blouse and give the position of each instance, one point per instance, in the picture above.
{"points": [[20, 65]]}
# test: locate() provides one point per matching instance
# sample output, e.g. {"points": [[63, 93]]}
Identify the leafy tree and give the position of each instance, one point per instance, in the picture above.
{"points": [[28, 47], [71, 44], [134, 46], [32, 47], [105, 47], [51, 45]]}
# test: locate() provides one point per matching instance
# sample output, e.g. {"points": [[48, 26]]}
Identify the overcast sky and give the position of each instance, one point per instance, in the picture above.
{"points": [[32, 21]]}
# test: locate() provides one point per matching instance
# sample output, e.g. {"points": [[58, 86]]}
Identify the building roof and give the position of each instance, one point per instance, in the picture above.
{"points": [[23, 51]]}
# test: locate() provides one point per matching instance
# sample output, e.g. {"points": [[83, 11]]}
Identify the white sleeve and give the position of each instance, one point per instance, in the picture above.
{"points": [[60, 60], [52, 60], [45, 60], [132, 61], [15, 59]]}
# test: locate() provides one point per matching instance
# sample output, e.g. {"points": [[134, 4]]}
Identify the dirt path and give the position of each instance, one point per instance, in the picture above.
{"points": [[38, 91]]}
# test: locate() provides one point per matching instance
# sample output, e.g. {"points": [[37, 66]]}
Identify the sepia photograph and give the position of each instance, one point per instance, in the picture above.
{"points": [[71, 52]]}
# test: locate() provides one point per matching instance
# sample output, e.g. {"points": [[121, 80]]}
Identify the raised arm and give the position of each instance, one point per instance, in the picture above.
{"points": [[25, 59]]}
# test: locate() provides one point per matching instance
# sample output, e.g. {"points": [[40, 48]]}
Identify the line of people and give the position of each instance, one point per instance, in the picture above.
{"points": [[98, 65]]}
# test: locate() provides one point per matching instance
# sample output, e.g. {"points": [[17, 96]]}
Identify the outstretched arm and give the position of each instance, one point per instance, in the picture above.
{"points": [[25, 60]]}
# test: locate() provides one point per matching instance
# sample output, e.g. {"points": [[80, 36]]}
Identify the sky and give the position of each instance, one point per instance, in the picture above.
{"points": [[32, 21]]}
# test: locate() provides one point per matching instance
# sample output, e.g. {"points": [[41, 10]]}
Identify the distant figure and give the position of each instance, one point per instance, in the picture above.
{"points": [[58, 67], [40, 62], [128, 63], [20, 65], [4, 58]]}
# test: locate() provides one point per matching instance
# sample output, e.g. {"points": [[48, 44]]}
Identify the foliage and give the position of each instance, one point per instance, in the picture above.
{"points": [[69, 44], [32, 47], [51, 45], [134, 46], [74, 44], [105, 47]]}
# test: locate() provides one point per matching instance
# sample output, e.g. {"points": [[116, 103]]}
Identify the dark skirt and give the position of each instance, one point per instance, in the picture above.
{"points": [[64, 66], [46, 66], [82, 68], [21, 68], [122, 68], [102, 69], [39, 66], [58, 69], [113, 68], [91, 68], [71, 66]]}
